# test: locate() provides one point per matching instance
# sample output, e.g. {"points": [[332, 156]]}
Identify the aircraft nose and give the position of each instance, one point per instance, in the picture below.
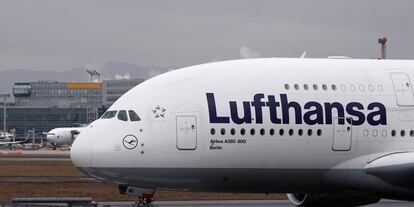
{"points": [[50, 138], [81, 150]]}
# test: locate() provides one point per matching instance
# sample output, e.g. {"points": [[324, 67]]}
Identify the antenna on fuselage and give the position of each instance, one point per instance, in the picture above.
{"points": [[383, 42]]}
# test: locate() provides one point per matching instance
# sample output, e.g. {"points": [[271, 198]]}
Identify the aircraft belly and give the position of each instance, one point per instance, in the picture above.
{"points": [[253, 180], [216, 180]]}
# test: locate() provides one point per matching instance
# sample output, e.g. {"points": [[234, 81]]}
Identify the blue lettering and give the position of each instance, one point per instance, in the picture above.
{"points": [[382, 115], [328, 112], [247, 118], [212, 111], [258, 104], [285, 110], [314, 112], [360, 117], [272, 104]]}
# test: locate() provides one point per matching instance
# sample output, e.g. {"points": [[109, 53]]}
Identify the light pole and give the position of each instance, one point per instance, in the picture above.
{"points": [[4, 97]]}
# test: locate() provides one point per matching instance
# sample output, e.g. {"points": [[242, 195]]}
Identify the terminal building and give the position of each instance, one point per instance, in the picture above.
{"points": [[45, 105], [60, 95], [113, 89], [57, 94]]}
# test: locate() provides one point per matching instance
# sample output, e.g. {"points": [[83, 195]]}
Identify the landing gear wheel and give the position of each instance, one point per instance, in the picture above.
{"points": [[145, 201], [144, 195]]}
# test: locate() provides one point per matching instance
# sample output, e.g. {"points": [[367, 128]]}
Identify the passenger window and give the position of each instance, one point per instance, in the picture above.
{"points": [[223, 131], [262, 132], [402, 133], [393, 133], [122, 115], [309, 132], [319, 132], [212, 131], [133, 116], [109, 115], [242, 131], [296, 86], [287, 86], [252, 131]]}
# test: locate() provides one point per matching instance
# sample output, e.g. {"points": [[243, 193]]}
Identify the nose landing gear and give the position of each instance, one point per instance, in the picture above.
{"points": [[144, 195], [145, 200]]}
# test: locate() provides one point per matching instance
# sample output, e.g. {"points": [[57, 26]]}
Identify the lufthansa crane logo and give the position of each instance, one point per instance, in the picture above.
{"points": [[130, 142]]}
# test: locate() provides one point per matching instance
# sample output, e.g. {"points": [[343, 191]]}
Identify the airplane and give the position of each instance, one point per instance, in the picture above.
{"points": [[14, 142], [8, 136], [327, 132], [63, 135]]}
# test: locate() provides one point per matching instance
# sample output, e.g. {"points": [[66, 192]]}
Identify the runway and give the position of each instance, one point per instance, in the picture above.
{"points": [[242, 203], [62, 179], [34, 159], [231, 203], [34, 155]]}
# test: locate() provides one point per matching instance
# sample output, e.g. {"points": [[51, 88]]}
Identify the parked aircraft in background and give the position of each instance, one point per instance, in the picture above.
{"points": [[8, 141], [9, 136], [325, 131], [59, 136]]}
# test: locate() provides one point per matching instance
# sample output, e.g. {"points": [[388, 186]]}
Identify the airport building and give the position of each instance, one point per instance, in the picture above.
{"points": [[113, 89], [60, 95], [57, 94], [45, 105], [41, 119]]}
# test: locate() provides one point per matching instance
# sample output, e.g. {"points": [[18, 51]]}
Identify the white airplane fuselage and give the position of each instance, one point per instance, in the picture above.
{"points": [[63, 135], [264, 126]]}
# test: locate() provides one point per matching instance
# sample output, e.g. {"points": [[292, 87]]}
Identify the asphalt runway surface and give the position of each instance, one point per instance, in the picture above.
{"points": [[34, 159], [17, 180], [238, 203], [247, 203]]}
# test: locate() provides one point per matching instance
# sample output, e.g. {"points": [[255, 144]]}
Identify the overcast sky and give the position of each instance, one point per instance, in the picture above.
{"points": [[61, 35]]}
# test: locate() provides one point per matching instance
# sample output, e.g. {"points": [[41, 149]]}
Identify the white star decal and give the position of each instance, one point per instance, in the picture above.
{"points": [[159, 112]]}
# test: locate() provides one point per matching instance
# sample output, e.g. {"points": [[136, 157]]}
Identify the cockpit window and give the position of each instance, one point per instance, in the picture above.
{"points": [[122, 115], [109, 115], [133, 116]]}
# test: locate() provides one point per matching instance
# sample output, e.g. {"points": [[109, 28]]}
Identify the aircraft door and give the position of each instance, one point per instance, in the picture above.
{"points": [[402, 88], [342, 138], [186, 132]]}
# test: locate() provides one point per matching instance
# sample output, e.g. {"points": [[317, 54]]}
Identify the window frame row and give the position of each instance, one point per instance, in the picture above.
{"points": [[271, 132]]}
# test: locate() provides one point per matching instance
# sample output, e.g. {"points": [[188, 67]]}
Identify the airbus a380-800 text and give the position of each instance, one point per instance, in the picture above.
{"points": [[325, 131]]}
